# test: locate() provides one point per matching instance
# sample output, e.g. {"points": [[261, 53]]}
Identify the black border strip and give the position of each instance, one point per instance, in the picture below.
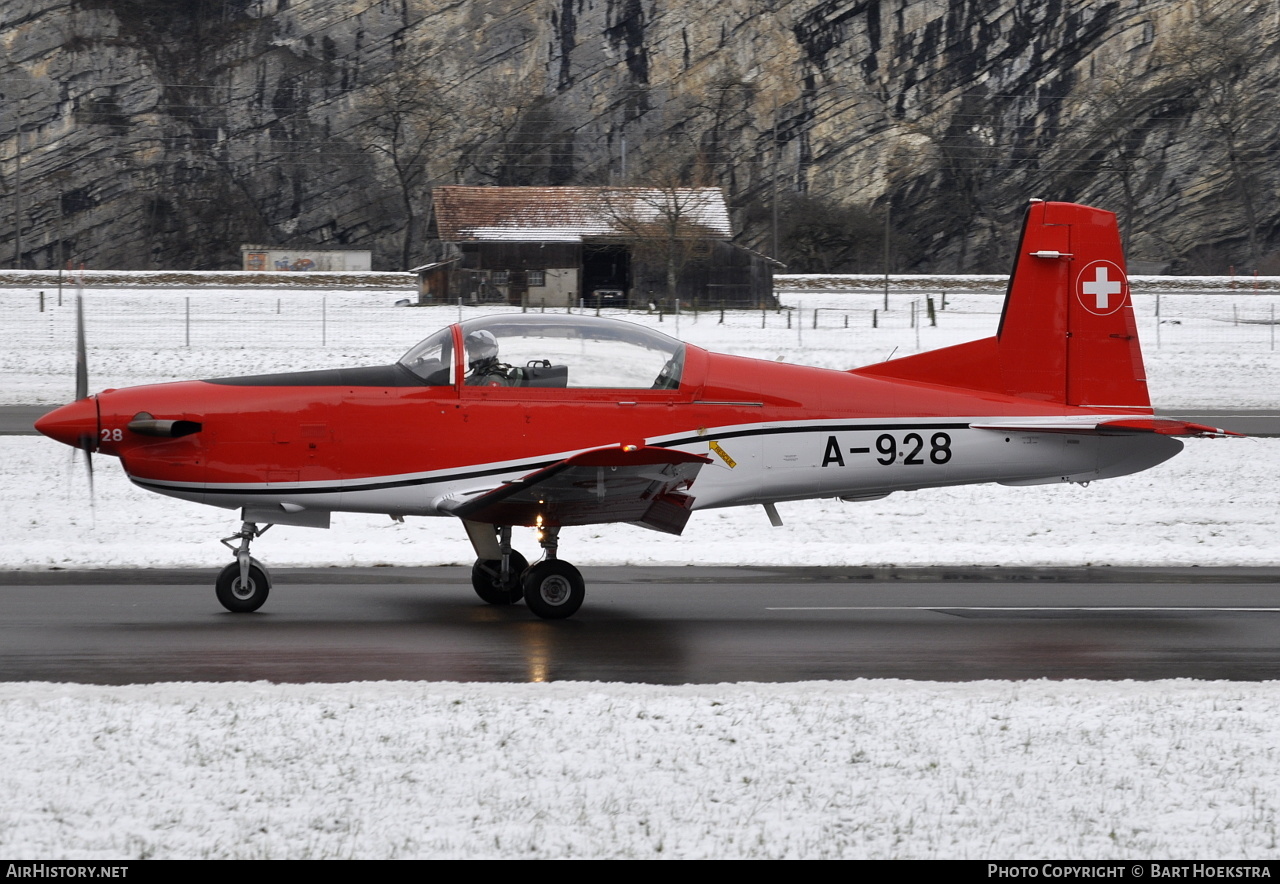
{"points": [[834, 428], [337, 489]]}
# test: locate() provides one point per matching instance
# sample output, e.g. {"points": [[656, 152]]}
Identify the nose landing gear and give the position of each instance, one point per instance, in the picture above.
{"points": [[244, 584]]}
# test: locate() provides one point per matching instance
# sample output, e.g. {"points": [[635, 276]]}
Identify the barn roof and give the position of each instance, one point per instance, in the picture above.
{"points": [[570, 214]]}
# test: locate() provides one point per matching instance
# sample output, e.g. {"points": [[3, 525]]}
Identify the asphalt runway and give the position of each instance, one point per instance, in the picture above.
{"points": [[17, 420], [649, 625]]}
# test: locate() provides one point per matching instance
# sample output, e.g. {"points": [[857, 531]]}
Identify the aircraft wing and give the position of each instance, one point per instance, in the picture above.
{"points": [[627, 483], [1101, 425]]}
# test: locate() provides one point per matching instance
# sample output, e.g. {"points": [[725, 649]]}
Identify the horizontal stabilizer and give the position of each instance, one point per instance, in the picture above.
{"points": [[1109, 427], [618, 483], [1164, 426]]}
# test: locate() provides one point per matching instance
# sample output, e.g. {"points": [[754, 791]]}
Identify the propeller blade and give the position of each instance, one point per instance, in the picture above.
{"points": [[87, 444], [82, 360]]}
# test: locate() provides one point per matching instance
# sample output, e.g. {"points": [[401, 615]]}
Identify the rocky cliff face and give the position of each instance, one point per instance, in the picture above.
{"points": [[163, 133]]}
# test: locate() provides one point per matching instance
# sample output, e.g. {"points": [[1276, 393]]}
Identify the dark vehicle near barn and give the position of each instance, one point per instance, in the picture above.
{"points": [[609, 297]]}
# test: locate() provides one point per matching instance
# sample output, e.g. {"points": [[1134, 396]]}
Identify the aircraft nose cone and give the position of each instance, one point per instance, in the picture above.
{"points": [[72, 423]]}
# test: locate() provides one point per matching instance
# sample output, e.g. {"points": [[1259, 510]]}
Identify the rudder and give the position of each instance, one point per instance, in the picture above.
{"points": [[1068, 333]]}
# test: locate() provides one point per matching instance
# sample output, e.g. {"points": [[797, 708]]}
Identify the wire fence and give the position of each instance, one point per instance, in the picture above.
{"points": [[156, 320]]}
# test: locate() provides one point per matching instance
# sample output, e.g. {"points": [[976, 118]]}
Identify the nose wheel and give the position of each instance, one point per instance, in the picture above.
{"points": [[240, 595], [243, 585]]}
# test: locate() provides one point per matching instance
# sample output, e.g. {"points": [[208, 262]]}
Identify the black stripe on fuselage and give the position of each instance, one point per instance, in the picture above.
{"points": [[830, 428], [335, 489]]}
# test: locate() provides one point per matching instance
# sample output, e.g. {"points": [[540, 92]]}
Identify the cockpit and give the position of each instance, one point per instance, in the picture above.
{"points": [[569, 351]]}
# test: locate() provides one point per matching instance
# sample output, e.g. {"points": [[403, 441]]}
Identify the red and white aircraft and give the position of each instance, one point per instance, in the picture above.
{"points": [[555, 421]]}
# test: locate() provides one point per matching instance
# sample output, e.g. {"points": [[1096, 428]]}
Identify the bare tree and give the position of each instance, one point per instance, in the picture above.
{"points": [[1108, 142], [410, 124], [822, 235], [968, 154], [1213, 59], [668, 220], [514, 137], [722, 109]]}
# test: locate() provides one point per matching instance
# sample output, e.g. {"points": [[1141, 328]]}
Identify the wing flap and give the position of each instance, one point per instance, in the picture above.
{"points": [[626, 483]]}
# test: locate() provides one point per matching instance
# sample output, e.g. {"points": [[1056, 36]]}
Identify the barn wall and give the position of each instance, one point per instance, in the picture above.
{"points": [[723, 273]]}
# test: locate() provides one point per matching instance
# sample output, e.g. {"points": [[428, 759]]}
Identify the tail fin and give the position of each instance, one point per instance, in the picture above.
{"points": [[1067, 334]]}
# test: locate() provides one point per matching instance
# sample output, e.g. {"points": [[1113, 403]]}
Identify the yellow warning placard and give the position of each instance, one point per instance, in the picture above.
{"points": [[722, 454]]}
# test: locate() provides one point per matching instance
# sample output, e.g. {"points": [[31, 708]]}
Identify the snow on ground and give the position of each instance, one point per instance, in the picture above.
{"points": [[863, 769], [1169, 769]]}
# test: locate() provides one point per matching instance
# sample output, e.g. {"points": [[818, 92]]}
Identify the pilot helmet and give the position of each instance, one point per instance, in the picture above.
{"points": [[481, 346]]}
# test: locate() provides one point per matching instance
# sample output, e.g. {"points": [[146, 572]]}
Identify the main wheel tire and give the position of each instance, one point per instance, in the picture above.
{"points": [[238, 597], [486, 579], [553, 589]]}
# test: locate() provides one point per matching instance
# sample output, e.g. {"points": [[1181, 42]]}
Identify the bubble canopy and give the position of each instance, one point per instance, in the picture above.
{"points": [[522, 350]]}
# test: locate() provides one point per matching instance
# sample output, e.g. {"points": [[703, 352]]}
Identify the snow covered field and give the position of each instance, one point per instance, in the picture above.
{"points": [[864, 769], [859, 769]]}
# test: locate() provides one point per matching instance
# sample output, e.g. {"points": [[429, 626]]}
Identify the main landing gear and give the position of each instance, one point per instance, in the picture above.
{"points": [[497, 581], [553, 589], [243, 585]]}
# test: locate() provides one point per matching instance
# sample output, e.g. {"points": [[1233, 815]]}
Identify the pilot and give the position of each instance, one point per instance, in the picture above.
{"points": [[484, 369]]}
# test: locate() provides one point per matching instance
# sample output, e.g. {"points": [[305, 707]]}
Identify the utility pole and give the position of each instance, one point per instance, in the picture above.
{"points": [[888, 210], [61, 177], [774, 178], [17, 205]]}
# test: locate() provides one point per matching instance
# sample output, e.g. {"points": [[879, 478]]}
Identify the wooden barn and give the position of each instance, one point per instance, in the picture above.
{"points": [[606, 246]]}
